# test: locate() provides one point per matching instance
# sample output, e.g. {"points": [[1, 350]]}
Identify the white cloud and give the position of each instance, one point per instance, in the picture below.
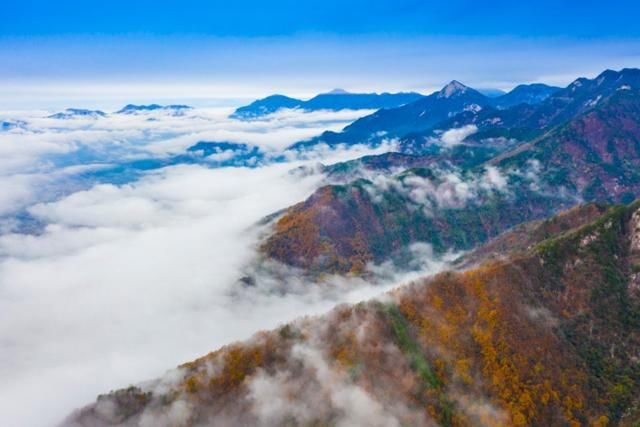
{"points": [[138, 288], [125, 281], [31, 158], [455, 136]]}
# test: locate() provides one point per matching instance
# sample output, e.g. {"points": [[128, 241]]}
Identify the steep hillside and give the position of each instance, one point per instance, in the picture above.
{"points": [[563, 105], [457, 105], [594, 157], [471, 153], [341, 228], [523, 237], [549, 336], [598, 153]]}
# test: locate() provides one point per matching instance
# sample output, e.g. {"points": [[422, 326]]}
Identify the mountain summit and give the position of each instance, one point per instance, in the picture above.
{"points": [[454, 88], [337, 91]]}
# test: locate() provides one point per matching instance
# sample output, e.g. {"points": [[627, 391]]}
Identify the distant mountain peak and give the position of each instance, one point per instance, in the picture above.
{"points": [[70, 113], [454, 88], [338, 91]]}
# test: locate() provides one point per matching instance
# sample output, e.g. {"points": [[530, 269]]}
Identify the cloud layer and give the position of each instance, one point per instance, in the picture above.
{"points": [[46, 157], [125, 280]]}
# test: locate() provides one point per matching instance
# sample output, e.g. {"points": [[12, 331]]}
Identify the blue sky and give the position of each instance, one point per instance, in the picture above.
{"points": [[151, 50], [251, 18]]}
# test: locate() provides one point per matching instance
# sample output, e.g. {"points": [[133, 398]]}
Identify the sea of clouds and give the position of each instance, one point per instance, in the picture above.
{"points": [[106, 282]]}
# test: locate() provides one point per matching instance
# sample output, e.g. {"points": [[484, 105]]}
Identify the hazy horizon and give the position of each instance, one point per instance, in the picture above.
{"points": [[150, 52]]}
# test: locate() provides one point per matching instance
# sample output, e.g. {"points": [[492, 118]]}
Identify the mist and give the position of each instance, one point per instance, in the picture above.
{"points": [[126, 280]]}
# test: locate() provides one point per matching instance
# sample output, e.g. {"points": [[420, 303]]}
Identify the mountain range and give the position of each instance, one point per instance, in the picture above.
{"points": [[594, 156], [536, 323], [335, 100], [339, 99], [429, 111]]}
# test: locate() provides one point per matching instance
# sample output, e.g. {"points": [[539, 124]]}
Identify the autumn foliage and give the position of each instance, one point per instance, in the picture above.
{"points": [[544, 337]]}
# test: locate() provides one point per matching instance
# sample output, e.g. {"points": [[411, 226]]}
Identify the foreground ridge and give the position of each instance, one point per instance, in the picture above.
{"points": [[548, 334]]}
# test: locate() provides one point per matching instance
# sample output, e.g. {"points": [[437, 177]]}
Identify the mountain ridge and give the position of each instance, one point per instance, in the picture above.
{"points": [[428, 113], [342, 227], [525, 340], [537, 323], [531, 93], [325, 101], [423, 117]]}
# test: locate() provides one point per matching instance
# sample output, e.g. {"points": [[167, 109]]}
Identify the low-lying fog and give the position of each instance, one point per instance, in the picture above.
{"points": [[112, 284]]}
